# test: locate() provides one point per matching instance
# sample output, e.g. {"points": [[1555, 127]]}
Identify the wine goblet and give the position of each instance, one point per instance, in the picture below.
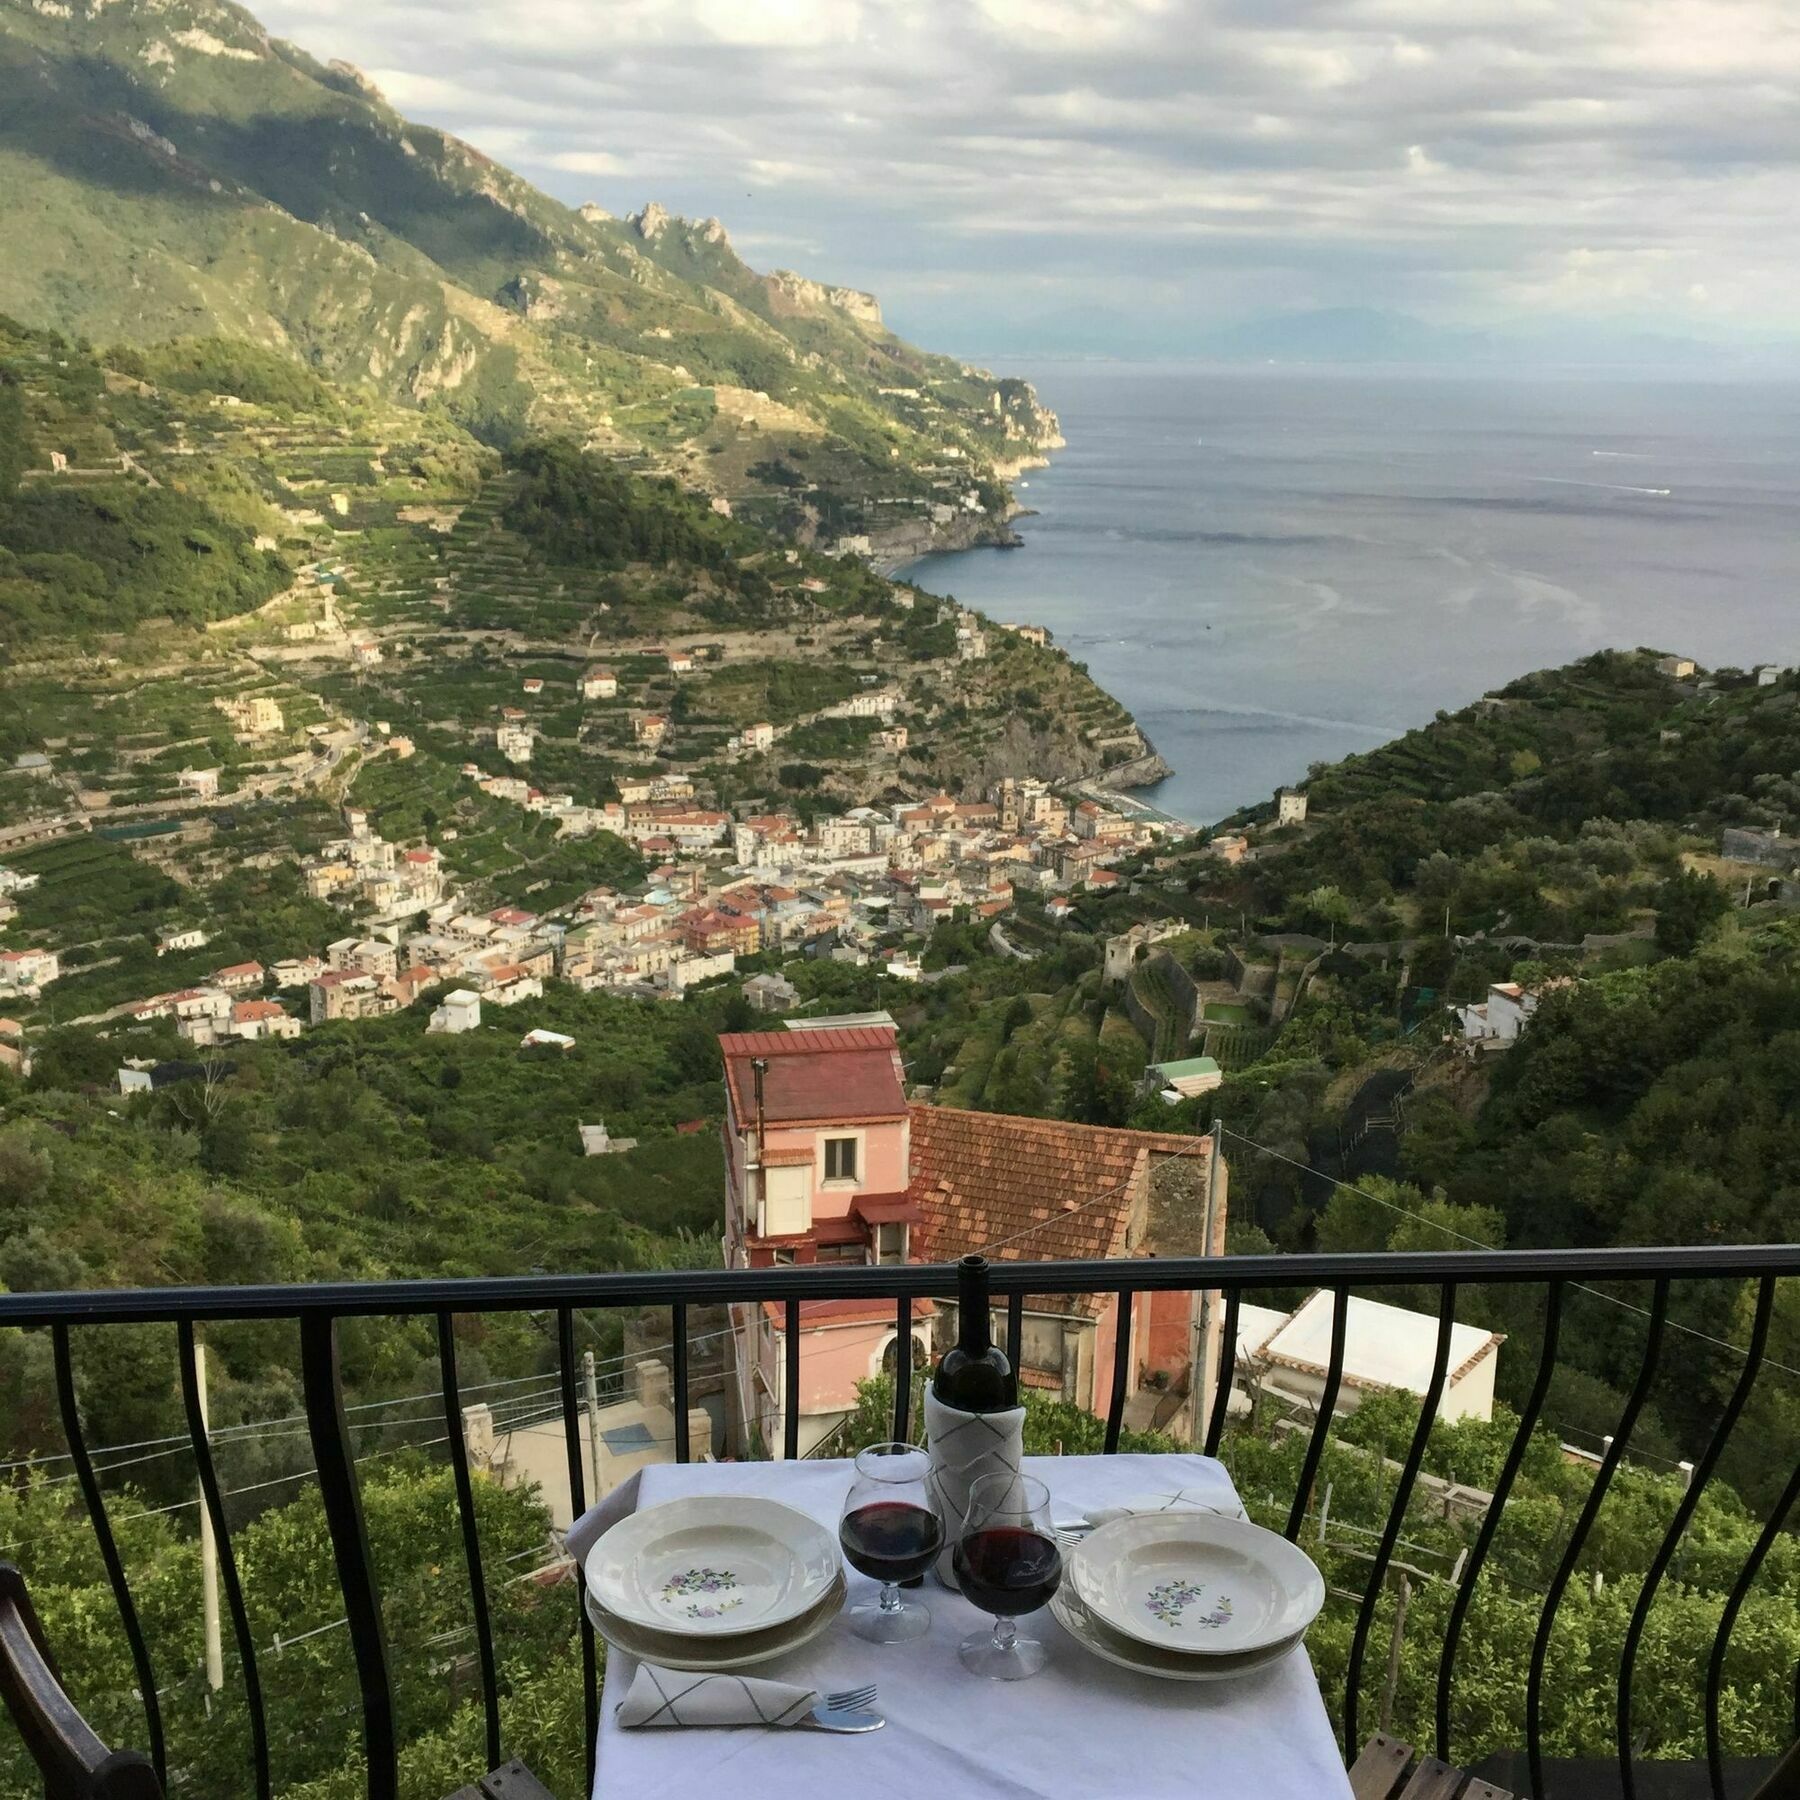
{"points": [[890, 1530], [1008, 1561]]}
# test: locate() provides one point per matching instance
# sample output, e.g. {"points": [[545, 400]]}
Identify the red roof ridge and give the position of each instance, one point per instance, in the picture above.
{"points": [[806, 1043]]}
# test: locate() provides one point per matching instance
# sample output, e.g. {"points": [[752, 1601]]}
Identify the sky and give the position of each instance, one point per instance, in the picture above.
{"points": [[1121, 174]]}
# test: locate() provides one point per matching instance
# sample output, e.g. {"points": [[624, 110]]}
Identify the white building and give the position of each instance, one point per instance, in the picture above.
{"points": [[1290, 806], [26, 971], [1384, 1347], [460, 1011], [202, 783], [515, 742], [599, 684], [1499, 1020], [760, 736]]}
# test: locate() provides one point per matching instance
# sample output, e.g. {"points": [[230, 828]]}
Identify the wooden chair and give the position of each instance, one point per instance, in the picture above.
{"points": [[1386, 1771], [513, 1782], [74, 1763]]}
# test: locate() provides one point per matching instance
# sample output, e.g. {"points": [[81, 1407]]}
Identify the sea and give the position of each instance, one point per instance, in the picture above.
{"points": [[1275, 567]]}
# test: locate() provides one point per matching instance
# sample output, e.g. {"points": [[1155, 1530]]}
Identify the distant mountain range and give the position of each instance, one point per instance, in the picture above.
{"points": [[1360, 336], [168, 169]]}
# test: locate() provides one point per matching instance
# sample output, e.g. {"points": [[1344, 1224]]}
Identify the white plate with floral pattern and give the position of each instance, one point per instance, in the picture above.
{"points": [[717, 1655], [1200, 1583], [712, 1565], [1094, 1635]]}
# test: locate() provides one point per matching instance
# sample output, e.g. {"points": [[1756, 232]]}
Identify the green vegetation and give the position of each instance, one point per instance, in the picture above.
{"points": [[310, 1693], [579, 508], [98, 548]]}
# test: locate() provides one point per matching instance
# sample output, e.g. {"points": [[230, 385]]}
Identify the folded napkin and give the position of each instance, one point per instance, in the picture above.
{"points": [[1208, 1500], [671, 1697]]}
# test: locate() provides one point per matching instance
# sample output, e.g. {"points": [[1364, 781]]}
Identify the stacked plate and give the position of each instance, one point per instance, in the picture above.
{"points": [[713, 1582], [1188, 1595]]}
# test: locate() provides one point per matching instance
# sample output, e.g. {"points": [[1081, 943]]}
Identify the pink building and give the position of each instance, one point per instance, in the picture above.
{"points": [[826, 1162]]}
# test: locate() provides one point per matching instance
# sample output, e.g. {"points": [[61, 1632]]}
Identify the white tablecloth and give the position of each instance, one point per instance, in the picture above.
{"points": [[1081, 1730]]}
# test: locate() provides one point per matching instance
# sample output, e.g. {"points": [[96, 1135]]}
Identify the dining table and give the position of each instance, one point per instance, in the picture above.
{"points": [[1082, 1729]]}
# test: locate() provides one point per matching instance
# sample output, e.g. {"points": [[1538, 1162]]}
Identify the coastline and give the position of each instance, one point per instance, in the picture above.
{"points": [[910, 544]]}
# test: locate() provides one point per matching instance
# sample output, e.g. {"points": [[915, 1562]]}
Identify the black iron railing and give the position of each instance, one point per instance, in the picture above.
{"points": [[319, 1309]]}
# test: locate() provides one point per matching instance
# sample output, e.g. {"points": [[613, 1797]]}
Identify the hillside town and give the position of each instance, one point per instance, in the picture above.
{"points": [[867, 887]]}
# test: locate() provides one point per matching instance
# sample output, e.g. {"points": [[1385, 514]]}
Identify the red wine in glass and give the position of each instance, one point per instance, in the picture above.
{"points": [[891, 1540], [889, 1530], [1007, 1570]]}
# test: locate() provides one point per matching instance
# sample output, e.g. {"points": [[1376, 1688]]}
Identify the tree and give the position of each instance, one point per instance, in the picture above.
{"points": [[1687, 905]]}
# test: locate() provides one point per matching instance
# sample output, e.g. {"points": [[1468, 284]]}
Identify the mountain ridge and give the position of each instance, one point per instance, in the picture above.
{"points": [[180, 171]]}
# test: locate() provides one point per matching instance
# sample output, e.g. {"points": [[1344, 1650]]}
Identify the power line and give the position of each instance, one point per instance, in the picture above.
{"points": [[1643, 1312]]}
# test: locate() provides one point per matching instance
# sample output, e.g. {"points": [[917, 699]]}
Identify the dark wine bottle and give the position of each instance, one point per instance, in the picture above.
{"points": [[974, 1375]]}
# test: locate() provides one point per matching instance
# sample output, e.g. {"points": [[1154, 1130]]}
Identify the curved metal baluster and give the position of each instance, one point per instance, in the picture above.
{"points": [[109, 1549], [678, 1337], [471, 1536], [1409, 1474], [1540, 1648], [322, 1380], [215, 1510], [1115, 1412], [1715, 1667], [790, 1382], [1753, 1356], [902, 1368], [1509, 1470], [590, 1673], [1227, 1369], [1315, 1445]]}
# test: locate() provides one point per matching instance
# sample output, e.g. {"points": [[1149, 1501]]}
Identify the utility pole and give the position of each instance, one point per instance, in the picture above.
{"points": [[1202, 1377], [593, 1413], [209, 1557]]}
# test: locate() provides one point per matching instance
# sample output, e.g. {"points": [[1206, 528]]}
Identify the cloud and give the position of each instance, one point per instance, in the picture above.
{"points": [[1165, 160]]}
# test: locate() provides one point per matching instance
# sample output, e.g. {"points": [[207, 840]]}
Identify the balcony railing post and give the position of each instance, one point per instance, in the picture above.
{"points": [[471, 1535], [902, 1370], [192, 1403], [1615, 1453], [790, 1382], [1484, 1539], [1226, 1375], [1327, 1403], [590, 1664], [1690, 1500], [1121, 1372], [109, 1549], [334, 1457], [1409, 1474], [1715, 1664]]}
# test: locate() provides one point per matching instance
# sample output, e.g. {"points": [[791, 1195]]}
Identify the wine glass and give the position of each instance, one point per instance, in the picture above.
{"points": [[1007, 1562], [890, 1530]]}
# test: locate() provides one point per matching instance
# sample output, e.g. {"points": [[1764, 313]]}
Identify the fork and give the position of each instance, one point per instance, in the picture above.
{"points": [[845, 1711]]}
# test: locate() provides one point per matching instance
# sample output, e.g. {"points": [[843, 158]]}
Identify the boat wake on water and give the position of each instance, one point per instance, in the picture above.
{"points": [[1606, 487]]}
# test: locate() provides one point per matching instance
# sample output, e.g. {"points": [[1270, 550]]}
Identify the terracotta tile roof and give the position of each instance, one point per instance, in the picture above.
{"points": [[842, 1075], [888, 1209], [1032, 1190]]}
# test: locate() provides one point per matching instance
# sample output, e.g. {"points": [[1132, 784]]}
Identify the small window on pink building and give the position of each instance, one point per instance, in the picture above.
{"points": [[840, 1159]]}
